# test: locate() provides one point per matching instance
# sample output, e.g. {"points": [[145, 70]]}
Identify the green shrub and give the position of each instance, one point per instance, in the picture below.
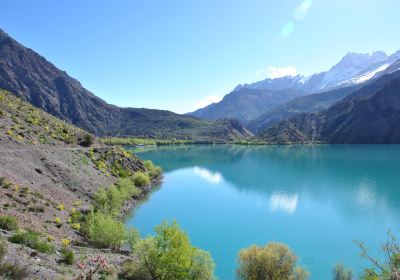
{"points": [[5, 183], [110, 201], [128, 189], [103, 231], [154, 170], [68, 255], [87, 141], [58, 221], [76, 216], [24, 237], [76, 226], [141, 179], [32, 240], [272, 261], [61, 207], [44, 247], [132, 237], [8, 222], [170, 253]]}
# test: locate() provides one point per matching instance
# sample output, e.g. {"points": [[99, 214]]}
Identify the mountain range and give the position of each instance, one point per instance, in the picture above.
{"points": [[37, 81], [356, 101], [352, 69], [260, 105], [370, 114]]}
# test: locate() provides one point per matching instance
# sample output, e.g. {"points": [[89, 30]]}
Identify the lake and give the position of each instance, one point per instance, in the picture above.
{"points": [[316, 199]]}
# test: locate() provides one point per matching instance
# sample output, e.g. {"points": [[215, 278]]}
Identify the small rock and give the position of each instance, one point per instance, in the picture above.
{"points": [[38, 170]]}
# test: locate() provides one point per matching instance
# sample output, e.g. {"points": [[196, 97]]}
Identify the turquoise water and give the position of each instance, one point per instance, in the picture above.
{"points": [[316, 199]]}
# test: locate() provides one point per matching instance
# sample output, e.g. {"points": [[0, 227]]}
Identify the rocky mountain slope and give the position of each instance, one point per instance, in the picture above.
{"points": [[32, 78], [305, 104], [47, 173], [246, 104], [368, 115]]}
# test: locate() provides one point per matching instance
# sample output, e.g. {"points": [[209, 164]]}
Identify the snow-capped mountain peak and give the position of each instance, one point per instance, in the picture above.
{"points": [[353, 68]]}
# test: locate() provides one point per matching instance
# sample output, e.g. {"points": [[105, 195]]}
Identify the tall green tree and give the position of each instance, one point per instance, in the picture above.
{"points": [[169, 255], [274, 261]]}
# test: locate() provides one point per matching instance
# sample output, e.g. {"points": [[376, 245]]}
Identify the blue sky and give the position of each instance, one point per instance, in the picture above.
{"points": [[179, 54]]}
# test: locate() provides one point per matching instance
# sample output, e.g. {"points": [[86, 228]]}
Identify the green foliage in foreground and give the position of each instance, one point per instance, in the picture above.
{"points": [[274, 261], [169, 255], [101, 228], [32, 240], [8, 222], [103, 231]]}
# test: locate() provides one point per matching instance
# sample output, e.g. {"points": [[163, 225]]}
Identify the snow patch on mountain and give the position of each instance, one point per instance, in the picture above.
{"points": [[367, 76]]}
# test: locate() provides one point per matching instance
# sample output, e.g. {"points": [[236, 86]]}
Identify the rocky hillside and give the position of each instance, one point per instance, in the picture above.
{"points": [[305, 104], [368, 115], [49, 174], [34, 79]]}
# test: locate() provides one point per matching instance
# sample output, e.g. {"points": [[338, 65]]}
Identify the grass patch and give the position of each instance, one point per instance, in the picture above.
{"points": [[5, 183], [68, 255], [32, 240], [8, 222]]}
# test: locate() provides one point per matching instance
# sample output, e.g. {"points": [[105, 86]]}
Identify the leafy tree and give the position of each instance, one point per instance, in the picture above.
{"points": [[387, 270], [169, 255], [341, 273], [274, 261]]}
